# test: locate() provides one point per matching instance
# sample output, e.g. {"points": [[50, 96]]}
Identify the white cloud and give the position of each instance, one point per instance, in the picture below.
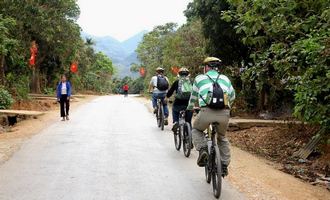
{"points": [[124, 18]]}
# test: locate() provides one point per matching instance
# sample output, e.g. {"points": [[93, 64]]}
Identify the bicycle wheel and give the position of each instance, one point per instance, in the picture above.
{"points": [[159, 115], [208, 168], [162, 117], [187, 139], [217, 173], [177, 138]]}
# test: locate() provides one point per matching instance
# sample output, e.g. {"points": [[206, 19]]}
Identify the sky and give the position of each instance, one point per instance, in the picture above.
{"points": [[122, 19]]}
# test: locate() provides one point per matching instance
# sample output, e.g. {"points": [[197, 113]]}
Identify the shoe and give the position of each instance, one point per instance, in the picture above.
{"points": [[175, 127], [224, 170], [165, 121], [155, 110], [203, 157], [63, 119], [67, 117]]}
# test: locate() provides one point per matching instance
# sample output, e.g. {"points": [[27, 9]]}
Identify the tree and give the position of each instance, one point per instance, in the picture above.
{"points": [[290, 51], [6, 43], [223, 41]]}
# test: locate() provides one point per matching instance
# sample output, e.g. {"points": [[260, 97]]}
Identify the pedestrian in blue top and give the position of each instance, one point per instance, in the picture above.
{"points": [[63, 96]]}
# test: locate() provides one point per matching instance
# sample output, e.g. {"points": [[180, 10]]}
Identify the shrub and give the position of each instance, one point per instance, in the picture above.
{"points": [[6, 100]]}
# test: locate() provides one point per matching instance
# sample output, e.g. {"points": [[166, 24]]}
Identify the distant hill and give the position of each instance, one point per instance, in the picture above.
{"points": [[121, 53]]}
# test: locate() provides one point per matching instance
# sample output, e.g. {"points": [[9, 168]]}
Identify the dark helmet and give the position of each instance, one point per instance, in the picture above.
{"points": [[183, 71]]}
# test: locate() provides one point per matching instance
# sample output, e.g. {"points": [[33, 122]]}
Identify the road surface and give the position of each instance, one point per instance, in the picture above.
{"points": [[110, 149]]}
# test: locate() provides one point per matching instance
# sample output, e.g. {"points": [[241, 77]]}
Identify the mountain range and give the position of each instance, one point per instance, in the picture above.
{"points": [[122, 54]]}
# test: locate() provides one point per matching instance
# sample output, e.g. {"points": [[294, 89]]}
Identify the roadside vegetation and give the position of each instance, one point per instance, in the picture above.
{"points": [[51, 27], [277, 54]]}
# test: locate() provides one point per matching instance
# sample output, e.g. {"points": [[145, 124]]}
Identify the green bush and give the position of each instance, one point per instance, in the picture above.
{"points": [[6, 100], [18, 84]]}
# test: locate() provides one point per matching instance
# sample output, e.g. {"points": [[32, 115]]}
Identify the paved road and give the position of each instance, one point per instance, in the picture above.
{"points": [[110, 149]]}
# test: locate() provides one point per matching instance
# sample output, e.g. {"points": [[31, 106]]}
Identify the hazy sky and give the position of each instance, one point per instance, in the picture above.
{"points": [[124, 18]]}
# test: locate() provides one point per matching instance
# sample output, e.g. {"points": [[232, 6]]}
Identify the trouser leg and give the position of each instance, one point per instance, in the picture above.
{"points": [[62, 102], [154, 100], [223, 142], [175, 114], [189, 115], [200, 124], [67, 106]]}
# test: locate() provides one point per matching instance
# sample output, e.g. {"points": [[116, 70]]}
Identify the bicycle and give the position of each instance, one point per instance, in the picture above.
{"points": [[160, 116], [183, 135], [213, 170]]}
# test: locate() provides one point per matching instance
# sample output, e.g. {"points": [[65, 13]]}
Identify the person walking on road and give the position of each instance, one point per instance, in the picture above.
{"points": [[63, 96], [158, 86], [183, 88], [214, 94]]}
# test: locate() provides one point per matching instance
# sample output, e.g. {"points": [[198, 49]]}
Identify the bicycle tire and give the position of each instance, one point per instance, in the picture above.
{"points": [[187, 140], [217, 173], [158, 117], [177, 139], [208, 168], [162, 117]]}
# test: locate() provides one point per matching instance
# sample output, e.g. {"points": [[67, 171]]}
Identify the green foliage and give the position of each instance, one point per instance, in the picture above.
{"points": [[136, 86], [18, 85], [223, 41], [6, 99], [167, 46], [290, 50], [6, 43], [52, 24]]}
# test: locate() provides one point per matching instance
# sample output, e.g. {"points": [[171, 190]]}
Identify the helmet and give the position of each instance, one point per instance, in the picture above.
{"points": [[183, 71], [160, 69], [211, 59], [212, 62]]}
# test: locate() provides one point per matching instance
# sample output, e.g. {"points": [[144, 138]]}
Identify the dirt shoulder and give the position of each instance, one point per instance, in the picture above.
{"points": [[12, 139], [259, 178]]}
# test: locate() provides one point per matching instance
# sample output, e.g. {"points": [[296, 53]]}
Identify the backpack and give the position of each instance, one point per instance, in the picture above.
{"points": [[162, 83], [217, 97], [184, 89]]}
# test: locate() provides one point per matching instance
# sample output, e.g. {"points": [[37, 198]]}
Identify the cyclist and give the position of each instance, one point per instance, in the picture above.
{"points": [[125, 88], [183, 88], [159, 85], [214, 94]]}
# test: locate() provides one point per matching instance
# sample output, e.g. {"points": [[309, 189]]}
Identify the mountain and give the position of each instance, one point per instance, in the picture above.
{"points": [[131, 43], [122, 54]]}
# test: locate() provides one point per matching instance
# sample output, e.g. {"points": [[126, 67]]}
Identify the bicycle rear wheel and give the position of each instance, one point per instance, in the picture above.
{"points": [[187, 139], [217, 173], [177, 138]]}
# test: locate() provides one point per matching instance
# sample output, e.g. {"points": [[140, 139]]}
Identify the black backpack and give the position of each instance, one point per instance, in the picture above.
{"points": [[162, 83], [217, 100]]}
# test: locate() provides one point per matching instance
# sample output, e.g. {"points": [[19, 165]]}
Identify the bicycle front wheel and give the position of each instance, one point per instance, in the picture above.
{"points": [[217, 174], [159, 116], [177, 138], [187, 139]]}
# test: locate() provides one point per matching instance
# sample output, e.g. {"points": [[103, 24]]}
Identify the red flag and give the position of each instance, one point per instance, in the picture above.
{"points": [[74, 67], [175, 70], [32, 60], [33, 52], [142, 72]]}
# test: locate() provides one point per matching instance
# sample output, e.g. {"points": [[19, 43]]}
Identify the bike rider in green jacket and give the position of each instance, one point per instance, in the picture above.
{"points": [[202, 95], [183, 88]]}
